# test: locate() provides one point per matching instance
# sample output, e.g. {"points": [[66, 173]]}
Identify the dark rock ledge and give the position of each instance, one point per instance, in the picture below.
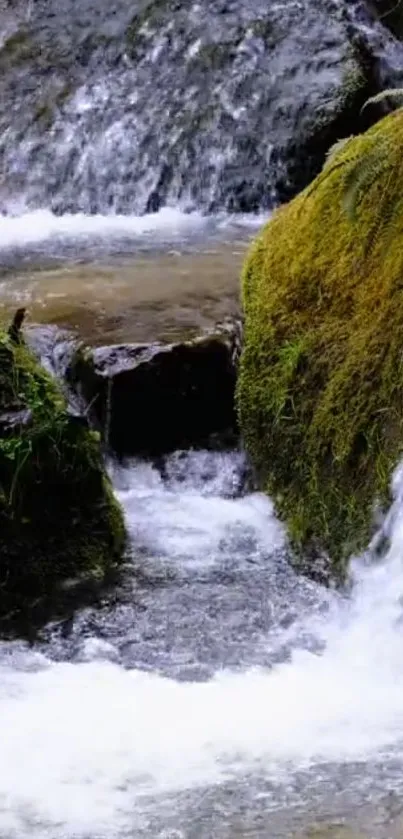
{"points": [[149, 399]]}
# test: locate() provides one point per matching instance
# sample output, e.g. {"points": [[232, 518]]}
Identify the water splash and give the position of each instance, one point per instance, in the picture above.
{"points": [[85, 745], [26, 229]]}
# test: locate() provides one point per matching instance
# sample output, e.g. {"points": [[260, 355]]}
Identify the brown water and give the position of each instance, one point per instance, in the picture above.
{"points": [[142, 298]]}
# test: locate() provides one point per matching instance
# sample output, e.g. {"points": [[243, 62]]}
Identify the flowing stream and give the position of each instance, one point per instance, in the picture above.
{"points": [[212, 693], [124, 278], [215, 692]]}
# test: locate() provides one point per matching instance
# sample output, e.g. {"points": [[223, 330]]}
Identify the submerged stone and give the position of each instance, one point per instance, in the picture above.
{"points": [[58, 517], [154, 398], [320, 393]]}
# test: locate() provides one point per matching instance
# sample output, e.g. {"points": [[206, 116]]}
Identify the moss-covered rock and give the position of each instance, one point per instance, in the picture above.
{"points": [[320, 393], [58, 516]]}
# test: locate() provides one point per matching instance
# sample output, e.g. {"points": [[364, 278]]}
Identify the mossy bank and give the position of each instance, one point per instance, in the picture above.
{"points": [[320, 392], [58, 516]]}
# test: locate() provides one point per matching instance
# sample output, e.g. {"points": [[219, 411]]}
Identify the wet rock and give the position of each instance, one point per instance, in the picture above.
{"points": [[54, 348], [237, 89], [343, 117], [152, 399], [15, 420], [52, 483], [321, 365], [390, 13]]}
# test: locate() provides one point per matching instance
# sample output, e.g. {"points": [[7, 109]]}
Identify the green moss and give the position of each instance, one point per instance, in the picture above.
{"points": [[320, 392], [58, 516], [152, 15], [17, 49]]}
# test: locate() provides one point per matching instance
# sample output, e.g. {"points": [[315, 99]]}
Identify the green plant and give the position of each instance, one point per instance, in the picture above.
{"points": [[30, 389], [320, 390], [58, 515], [367, 167]]}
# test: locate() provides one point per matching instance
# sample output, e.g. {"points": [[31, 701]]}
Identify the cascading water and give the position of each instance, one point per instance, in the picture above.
{"points": [[118, 107], [149, 713], [113, 110], [214, 692]]}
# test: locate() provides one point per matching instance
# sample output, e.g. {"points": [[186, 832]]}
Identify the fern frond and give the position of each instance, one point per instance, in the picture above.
{"points": [[386, 216], [360, 177], [390, 11], [390, 93], [334, 150]]}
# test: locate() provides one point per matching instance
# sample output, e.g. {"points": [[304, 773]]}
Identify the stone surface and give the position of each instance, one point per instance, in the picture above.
{"points": [[151, 399]]}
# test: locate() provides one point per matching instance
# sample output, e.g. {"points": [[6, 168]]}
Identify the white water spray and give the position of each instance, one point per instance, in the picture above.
{"points": [[25, 229], [81, 744]]}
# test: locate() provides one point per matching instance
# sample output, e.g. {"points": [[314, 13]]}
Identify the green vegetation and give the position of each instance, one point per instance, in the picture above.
{"points": [[320, 393], [58, 516], [369, 166]]}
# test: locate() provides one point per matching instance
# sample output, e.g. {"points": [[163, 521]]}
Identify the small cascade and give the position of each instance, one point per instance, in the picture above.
{"points": [[125, 108], [383, 46], [229, 691], [211, 691]]}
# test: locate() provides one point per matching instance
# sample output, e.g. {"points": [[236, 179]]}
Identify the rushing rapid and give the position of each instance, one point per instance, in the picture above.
{"points": [[213, 692], [213, 665]]}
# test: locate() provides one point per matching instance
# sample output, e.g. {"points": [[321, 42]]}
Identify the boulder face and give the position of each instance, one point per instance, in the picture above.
{"points": [[58, 517], [152, 399], [320, 392], [390, 13], [242, 93]]}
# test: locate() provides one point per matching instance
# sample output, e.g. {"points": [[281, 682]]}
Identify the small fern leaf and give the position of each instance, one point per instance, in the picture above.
{"points": [[334, 150], [360, 177], [390, 93]]}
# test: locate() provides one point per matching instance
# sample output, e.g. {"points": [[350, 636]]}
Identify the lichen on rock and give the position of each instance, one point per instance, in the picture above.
{"points": [[320, 392], [58, 516]]}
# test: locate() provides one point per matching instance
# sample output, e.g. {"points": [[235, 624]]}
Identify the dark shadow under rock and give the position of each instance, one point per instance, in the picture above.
{"points": [[152, 399], [390, 13]]}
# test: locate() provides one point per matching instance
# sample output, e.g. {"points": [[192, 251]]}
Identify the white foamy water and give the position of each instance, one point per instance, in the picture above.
{"points": [[84, 745], [41, 226], [194, 517]]}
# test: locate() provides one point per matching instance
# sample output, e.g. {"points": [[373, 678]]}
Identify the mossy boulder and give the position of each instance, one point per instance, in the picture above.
{"points": [[58, 516], [320, 392]]}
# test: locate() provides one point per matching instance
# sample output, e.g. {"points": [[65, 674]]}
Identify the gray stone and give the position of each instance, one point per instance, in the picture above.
{"points": [[152, 399]]}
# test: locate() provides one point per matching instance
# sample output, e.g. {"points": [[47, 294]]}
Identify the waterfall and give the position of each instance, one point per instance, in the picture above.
{"points": [[125, 108]]}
